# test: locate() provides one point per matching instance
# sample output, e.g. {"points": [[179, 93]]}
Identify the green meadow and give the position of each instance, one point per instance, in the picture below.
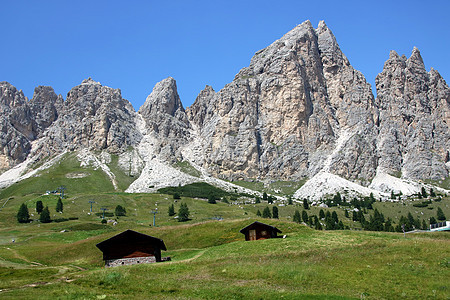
{"points": [[210, 259]]}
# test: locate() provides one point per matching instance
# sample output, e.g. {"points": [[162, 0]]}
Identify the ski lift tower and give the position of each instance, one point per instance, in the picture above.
{"points": [[61, 191], [154, 212], [91, 202], [103, 209]]}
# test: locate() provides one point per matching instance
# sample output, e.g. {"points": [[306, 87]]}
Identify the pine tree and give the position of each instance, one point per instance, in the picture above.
{"points": [[321, 214], [432, 193], [120, 211], [290, 202], [45, 216], [265, 196], [176, 196], [275, 212], [59, 206], [305, 204], [424, 192], [266, 213], [317, 224], [183, 213], [296, 217], [212, 199], [305, 216], [440, 214], [346, 214], [39, 206], [171, 210], [23, 215], [258, 213], [432, 220], [335, 217], [424, 225], [258, 200], [270, 199]]}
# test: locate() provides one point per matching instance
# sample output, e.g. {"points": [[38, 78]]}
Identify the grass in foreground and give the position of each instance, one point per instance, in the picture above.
{"points": [[211, 261]]}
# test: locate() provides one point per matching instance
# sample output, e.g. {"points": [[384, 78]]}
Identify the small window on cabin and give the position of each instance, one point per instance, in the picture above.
{"points": [[122, 263], [263, 232], [138, 262]]}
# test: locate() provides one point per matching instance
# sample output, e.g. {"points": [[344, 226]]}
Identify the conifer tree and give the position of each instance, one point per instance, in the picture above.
{"points": [[305, 204], [275, 212], [23, 215], [305, 216], [45, 216], [432, 220], [258, 200], [296, 217], [266, 213], [120, 211], [212, 199], [258, 213], [171, 210], [265, 196], [39, 206], [424, 192], [183, 213], [321, 214], [440, 214], [335, 217], [59, 205]]}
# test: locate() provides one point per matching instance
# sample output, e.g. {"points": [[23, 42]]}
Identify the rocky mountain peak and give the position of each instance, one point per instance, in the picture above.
{"points": [[163, 99]]}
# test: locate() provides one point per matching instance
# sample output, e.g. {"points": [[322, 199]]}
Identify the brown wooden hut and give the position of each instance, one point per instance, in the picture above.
{"points": [[131, 247], [259, 231]]}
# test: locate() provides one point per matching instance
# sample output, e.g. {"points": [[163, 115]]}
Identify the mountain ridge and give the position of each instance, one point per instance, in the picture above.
{"points": [[281, 118]]}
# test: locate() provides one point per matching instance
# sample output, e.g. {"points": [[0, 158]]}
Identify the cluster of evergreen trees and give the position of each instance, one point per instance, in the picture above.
{"points": [[23, 215], [183, 212], [267, 213]]}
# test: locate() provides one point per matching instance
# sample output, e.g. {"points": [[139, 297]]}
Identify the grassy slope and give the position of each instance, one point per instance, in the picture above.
{"points": [[211, 261], [210, 258]]}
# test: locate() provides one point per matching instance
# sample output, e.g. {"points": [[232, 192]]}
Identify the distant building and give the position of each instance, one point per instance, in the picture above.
{"points": [[259, 231], [131, 247], [440, 226]]}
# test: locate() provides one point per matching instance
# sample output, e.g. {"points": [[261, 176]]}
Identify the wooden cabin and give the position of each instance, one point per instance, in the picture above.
{"points": [[259, 231], [131, 247]]}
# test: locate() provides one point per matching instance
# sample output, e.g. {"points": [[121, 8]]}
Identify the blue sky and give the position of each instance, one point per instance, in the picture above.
{"points": [[132, 45]]}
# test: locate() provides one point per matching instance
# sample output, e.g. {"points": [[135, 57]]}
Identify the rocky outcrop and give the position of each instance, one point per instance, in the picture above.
{"points": [[283, 113], [414, 138], [298, 110], [95, 117], [166, 119]]}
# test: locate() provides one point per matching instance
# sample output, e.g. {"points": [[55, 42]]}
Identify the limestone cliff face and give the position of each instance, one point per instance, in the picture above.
{"points": [[166, 119], [16, 126], [94, 117], [299, 109], [281, 114], [414, 137]]}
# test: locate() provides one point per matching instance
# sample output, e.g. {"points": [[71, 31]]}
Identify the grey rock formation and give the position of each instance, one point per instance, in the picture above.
{"points": [[16, 126], [166, 118], [282, 114], [94, 117], [414, 137]]}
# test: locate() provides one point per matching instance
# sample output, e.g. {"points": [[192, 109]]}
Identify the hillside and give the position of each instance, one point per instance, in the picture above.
{"points": [[211, 260]]}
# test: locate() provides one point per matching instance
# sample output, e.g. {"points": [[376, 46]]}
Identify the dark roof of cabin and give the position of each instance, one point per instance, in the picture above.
{"points": [[130, 236], [243, 230]]}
